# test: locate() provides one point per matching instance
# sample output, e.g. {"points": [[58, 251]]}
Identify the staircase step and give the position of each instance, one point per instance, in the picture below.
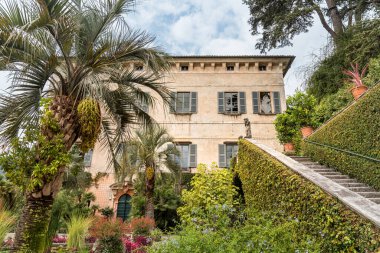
{"points": [[370, 194], [330, 173], [311, 163], [360, 189], [333, 177], [352, 184], [376, 200], [301, 158], [323, 170]]}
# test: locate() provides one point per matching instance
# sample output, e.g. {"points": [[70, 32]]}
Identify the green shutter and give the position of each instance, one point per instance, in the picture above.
{"points": [[222, 156], [242, 103], [193, 155], [173, 97], [255, 102], [220, 102], [277, 102], [193, 102]]}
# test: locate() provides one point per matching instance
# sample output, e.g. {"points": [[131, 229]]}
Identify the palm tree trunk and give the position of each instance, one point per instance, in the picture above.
{"points": [[149, 192], [33, 224]]}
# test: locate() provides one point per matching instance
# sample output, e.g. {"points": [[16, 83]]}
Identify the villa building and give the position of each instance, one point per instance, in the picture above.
{"points": [[213, 95]]}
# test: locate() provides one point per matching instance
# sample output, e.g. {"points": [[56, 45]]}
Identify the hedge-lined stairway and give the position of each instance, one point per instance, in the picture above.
{"points": [[342, 179]]}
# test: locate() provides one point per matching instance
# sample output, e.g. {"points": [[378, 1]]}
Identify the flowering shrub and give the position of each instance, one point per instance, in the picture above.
{"points": [[136, 245], [141, 226], [59, 239], [109, 234]]}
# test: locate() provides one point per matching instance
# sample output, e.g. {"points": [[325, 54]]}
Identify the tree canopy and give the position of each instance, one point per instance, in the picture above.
{"points": [[278, 21]]}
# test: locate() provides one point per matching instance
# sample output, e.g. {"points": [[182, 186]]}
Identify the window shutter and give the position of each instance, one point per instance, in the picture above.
{"points": [[277, 102], [255, 102], [193, 155], [194, 102], [242, 104], [222, 156], [220, 102], [173, 98]]}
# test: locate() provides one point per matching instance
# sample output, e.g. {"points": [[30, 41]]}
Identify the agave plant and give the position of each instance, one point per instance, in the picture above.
{"points": [[356, 75], [79, 54]]}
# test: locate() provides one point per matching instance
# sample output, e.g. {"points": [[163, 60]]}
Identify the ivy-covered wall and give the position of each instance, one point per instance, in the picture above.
{"points": [[357, 129], [269, 185]]}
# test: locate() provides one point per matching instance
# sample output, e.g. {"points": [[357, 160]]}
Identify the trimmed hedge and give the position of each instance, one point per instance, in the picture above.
{"points": [[356, 129], [270, 186]]}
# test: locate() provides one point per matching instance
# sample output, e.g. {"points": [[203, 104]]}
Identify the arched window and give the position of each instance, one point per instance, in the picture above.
{"points": [[124, 207]]}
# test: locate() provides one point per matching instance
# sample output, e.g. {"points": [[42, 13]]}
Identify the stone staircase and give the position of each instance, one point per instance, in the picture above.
{"points": [[344, 180]]}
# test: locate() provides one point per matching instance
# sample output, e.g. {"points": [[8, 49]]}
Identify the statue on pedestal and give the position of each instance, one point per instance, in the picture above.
{"points": [[247, 124]]}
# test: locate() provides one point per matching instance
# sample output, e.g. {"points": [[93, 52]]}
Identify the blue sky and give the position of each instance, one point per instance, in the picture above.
{"points": [[219, 27]]}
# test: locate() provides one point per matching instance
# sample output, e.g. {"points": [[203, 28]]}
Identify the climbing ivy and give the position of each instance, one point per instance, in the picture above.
{"points": [[270, 186], [32, 158]]}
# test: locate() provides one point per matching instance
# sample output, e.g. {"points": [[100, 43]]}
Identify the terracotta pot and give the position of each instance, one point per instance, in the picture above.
{"points": [[306, 131], [357, 92], [289, 147]]}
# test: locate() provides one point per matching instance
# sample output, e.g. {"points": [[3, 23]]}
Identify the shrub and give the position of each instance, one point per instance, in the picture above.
{"points": [[212, 192], [7, 221], [270, 186], [302, 106], [109, 234], [286, 127], [107, 212], [77, 229], [141, 226], [356, 129], [258, 234], [137, 245]]}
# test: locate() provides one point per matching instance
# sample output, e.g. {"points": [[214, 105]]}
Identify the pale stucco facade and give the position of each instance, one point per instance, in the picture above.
{"points": [[207, 126]]}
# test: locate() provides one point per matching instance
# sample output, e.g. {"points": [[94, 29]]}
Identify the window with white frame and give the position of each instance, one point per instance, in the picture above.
{"points": [[226, 152], [265, 102], [231, 102], [184, 102], [187, 157]]}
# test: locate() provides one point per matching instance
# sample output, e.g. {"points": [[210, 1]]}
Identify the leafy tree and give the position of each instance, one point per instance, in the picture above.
{"points": [[211, 200], [151, 150], [278, 21], [77, 53], [166, 200]]}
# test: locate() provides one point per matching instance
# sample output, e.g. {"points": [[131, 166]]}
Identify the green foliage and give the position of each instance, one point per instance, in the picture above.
{"points": [[212, 191], [302, 106], [7, 220], [186, 180], [355, 129], [259, 233], [166, 200], [107, 212], [77, 230], [359, 44], [33, 159], [373, 76], [286, 126], [89, 120], [271, 186], [330, 105]]}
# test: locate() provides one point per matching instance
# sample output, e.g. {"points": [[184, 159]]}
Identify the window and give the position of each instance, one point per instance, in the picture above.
{"points": [[188, 155], [230, 67], [226, 152], [184, 68], [262, 67], [231, 102], [124, 207], [87, 158], [184, 102], [139, 68], [264, 104]]}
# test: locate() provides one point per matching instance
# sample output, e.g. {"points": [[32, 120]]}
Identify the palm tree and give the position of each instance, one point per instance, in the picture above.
{"points": [[153, 149], [78, 53]]}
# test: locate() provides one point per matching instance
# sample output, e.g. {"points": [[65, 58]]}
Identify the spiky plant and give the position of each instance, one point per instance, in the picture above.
{"points": [[356, 75], [7, 221], [77, 53], [77, 230], [151, 151]]}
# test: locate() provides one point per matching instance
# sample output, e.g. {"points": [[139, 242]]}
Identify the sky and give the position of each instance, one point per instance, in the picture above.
{"points": [[214, 27]]}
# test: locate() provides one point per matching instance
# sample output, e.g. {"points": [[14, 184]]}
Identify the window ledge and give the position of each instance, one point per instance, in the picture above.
{"points": [[183, 113]]}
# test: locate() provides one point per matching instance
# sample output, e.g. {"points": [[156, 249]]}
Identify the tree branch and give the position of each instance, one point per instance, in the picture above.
{"points": [[323, 21]]}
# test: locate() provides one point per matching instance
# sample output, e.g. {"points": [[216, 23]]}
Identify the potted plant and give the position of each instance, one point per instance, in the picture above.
{"points": [[286, 127], [356, 78], [302, 107]]}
